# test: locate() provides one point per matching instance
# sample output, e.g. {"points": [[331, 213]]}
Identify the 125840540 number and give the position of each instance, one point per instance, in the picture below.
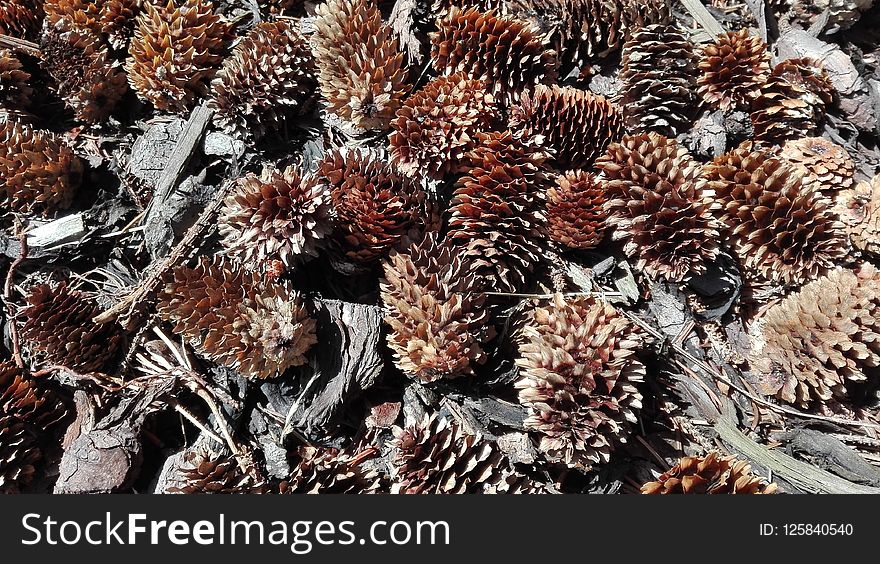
{"points": [[817, 529]]}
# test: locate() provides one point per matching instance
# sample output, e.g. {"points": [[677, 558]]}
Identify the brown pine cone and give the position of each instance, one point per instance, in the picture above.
{"points": [[578, 378], [710, 474], [38, 172], [58, 325], [576, 125], [268, 79], [659, 75], [15, 93], [826, 165], [360, 68], [234, 317], [859, 210], [822, 341], [110, 19], [505, 52], [654, 205], [781, 229], [332, 471], [733, 69], [207, 473], [435, 311], [21, 18], [438, 124], [575, 210], [280, 215], [175, 52], [18, 454]]}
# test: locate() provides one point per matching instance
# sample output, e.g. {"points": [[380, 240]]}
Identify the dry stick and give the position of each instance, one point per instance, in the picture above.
{"points": [[20, 45], [7, 293], [703, 17]]}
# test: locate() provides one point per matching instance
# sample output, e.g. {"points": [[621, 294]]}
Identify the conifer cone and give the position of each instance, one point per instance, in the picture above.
{"points": [[174, 53], [438, 124], [376, 207], [505, 52], [236, 318], [280, 215], [575, 210], [497, 217], [822, 340], [733, 69], [576, 125], [437, 316], [112, 20], [38, 172], [826, 165], [267, 79], [206, 473], [21, 18], [654, 205], [859, 210], [436, 456], [659, 74], [792, 103], [360, 68], [578, 378], [710, 474], [780, 228], [15, 93], [331, 471], [88, 81], [58, 325], [842, 14]]}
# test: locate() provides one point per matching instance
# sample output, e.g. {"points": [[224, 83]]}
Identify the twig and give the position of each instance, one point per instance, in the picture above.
{"points": [[703, 17], [194, 420], [21, 45], [7, 293]]}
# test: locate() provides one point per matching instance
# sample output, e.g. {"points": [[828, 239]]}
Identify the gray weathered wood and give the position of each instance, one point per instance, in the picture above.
{"points": [[705, 18], [62, 229]]}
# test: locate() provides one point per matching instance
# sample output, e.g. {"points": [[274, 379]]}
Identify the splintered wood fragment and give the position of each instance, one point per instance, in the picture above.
{"points": [[703, 17], [58, 231], [20, 45], [189, 139]]}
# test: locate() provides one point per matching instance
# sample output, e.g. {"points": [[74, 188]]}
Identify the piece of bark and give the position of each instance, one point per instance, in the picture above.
{"points": [[61, 230], [829, 453]]}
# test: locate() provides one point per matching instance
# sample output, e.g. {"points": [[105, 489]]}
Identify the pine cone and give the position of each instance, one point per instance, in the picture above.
{"points": [[435, 456], [575, 213], [578, 379], [505, 52], [237, 319], [205, 473], [823, 340], [21, 18], [438, 124], [792, 102], [38, 172], [58, 324], [497, 220], [826, 165], [733, 69], [779, 227], [376, 207], [15, 93], [281, 215], [360, 68], [436, 314], [174, 53], [86, 79], [710, 474], [842, 14], [859, 209], [659, 75], [110, 19], [576, 125], [331, 471], [654, 206], [267, 79]]}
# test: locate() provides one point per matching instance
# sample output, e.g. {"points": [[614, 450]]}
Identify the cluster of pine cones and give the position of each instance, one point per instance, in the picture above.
{"points": [[457, 183]]}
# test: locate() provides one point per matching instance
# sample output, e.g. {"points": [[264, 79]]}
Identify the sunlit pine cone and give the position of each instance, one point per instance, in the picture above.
{"points": [[267, 80], [325, 470], [58, 325], [659, 75], [826, 165], [436, 456], [15, 93], [38, 171], [792, 103], [733, 69], [207, 473], [653, 204], [175, 52], [578, 377], [505, 52], [21, 18], [859, 210], [710, 474], [575, 210], [842, 14], [438, 124], [436, 312], [110, 19], [575, 125], [360, 67], [280, 215], [781, 229]]}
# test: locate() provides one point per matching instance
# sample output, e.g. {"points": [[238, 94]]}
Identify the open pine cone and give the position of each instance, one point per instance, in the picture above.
{"points": [[236, 318], [654, 205], [826, 165], [280, 215], [110, 19], [733, 69], [576, 125], [21, 18], [575, 210], [578, 378], [859, 210], [438, 124], [436, 312], [175, 52], [360, 68], [15, 93], [38, 171], [710, 474], [267, 79], [207, 473], [331, 471]]}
